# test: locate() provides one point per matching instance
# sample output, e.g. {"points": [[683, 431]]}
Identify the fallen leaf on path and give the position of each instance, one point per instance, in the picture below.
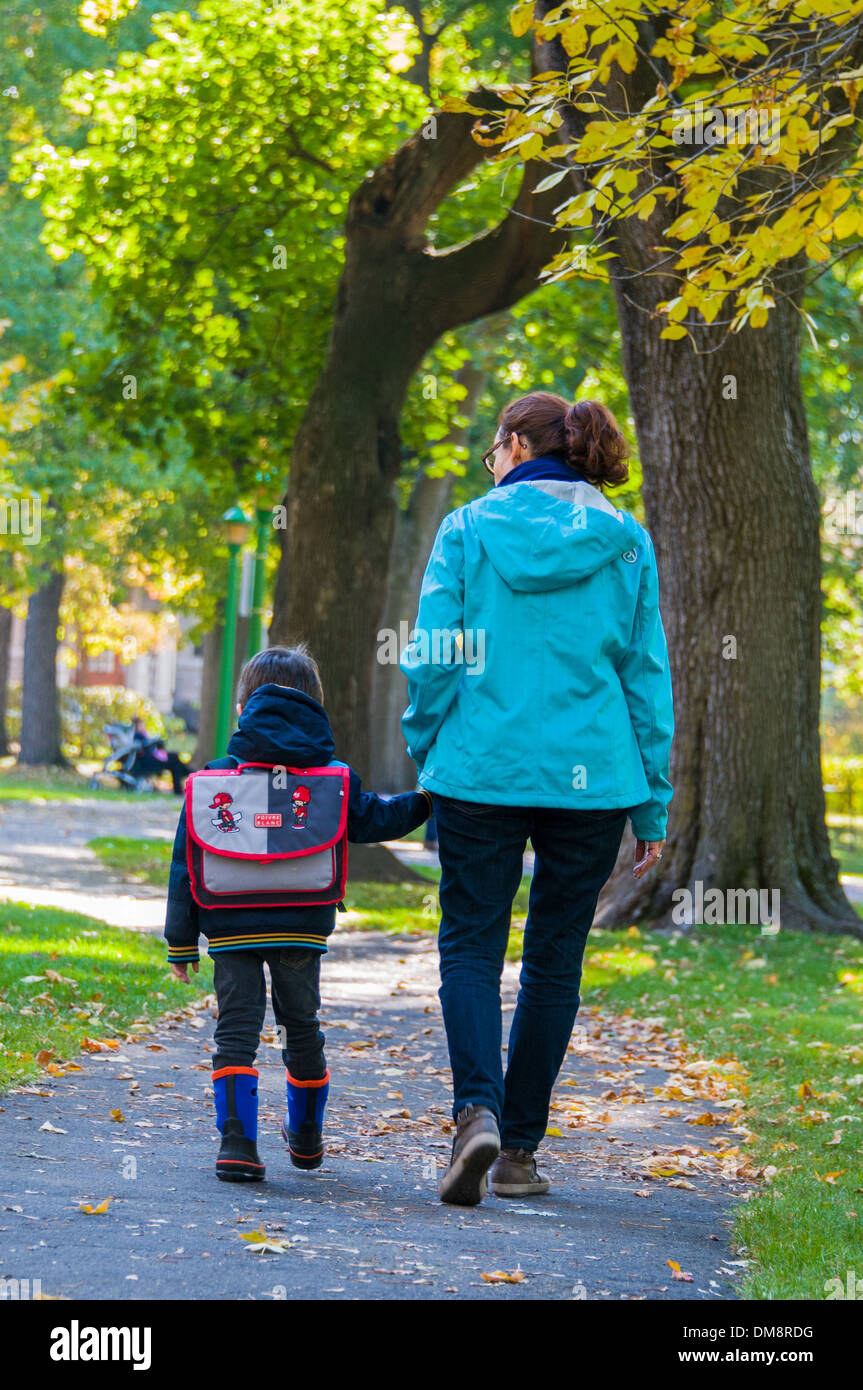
{"points": [[44, 1057], [260, 1242], [642, 1192], [52, 1129], [118, 1117], [98, 1210], [500, 1276], [678, 1273]]}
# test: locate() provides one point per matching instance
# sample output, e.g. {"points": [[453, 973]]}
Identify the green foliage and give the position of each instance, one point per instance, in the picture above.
{"points": [[84, 711], [843, 784], [733, 134], [208, 200]]}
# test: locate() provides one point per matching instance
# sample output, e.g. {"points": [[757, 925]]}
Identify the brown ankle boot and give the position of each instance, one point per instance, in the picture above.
{"points": [[475, 1147], [514, 1175]]}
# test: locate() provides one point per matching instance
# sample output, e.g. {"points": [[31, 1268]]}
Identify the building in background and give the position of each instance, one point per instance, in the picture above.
{"points": [[169, 675]]}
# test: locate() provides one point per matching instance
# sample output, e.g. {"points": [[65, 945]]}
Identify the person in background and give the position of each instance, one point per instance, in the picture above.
{"points": [[154, 759]]}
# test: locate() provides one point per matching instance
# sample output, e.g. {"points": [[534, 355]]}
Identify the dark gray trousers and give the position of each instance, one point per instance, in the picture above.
{"points": [[242, 999]]}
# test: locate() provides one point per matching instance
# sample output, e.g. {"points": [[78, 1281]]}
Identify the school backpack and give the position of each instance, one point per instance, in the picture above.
{"points": [[259, 835]]}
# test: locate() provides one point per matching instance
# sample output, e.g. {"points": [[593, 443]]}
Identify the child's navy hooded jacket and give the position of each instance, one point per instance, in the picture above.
{"points": [[282, 726]]}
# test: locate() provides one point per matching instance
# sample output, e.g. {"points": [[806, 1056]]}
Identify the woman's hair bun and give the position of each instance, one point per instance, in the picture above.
{"points": [[595, 444]]}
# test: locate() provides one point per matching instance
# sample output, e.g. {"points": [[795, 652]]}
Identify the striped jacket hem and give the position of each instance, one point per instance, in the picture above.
{"points": [[245, 941]]}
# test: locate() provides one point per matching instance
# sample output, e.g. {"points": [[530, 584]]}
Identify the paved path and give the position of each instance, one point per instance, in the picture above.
{"points": [[368, 1224], [44, 857]]}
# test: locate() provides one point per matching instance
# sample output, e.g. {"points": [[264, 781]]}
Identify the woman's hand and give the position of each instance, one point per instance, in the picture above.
{"points": [[647, 853]]}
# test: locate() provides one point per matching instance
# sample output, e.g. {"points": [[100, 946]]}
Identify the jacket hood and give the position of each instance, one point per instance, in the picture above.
{"points": [[282, 725], [550, 535]]}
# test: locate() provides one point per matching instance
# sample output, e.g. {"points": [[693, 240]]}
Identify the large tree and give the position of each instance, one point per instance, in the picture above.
{"points": [[397, 296], [718, 236]]}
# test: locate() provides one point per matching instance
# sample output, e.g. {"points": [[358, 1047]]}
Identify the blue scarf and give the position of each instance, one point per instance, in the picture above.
{"points": [[549, 466]]}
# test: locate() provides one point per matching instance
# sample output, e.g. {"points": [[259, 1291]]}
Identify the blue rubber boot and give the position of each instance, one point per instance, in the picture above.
{"points": [[236, 1092], [302, 1128]]}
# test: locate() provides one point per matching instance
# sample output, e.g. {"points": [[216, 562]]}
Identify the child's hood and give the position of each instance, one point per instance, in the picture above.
{"points": [[283, 726]]}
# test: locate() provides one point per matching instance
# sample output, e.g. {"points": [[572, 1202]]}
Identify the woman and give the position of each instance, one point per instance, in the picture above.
{"points": [[540, 708]]}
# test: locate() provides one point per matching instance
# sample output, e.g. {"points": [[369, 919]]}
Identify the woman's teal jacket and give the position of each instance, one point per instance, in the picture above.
{"points": [[538, 670]]}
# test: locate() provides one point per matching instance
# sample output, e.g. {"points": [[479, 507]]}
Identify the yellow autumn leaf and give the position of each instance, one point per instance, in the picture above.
{"points": [[118, 1117], [521, 18], [98, 1210], [500, 1276], [846, 223], [555, 1133], [260, 1242]]}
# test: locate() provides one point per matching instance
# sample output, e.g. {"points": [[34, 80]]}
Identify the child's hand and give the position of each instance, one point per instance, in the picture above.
{"points": [[182, 971]]}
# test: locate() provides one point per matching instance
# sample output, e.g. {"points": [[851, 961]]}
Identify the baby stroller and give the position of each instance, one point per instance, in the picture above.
{"points": [[121, 760]]}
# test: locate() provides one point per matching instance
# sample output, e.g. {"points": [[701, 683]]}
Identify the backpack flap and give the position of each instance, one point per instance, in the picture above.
{"points": [[259, 836]]}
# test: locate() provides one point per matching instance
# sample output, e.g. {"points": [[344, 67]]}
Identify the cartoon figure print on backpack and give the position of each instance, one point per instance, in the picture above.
{"points": [[225, 820]]}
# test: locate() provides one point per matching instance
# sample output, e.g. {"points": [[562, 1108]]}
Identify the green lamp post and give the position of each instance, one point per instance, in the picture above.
{"points": [[237, 526], [263, 525]]}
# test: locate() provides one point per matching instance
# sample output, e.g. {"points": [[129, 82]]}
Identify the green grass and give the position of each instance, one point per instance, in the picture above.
{"points": [[98, 981], [59, 784], [137, 860], [789, 1009], [413, 909], [846, 842]]}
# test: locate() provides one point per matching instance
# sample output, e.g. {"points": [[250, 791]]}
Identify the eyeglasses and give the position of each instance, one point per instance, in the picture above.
{"points": [[489, 454]]}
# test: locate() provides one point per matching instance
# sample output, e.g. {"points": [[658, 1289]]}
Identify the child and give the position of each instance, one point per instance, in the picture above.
{"points": [[283, 723]]}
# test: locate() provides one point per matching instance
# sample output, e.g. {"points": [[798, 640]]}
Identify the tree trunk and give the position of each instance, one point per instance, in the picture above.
{"points": [[415, 529], [734, 514], [377, 864], [5, 646], [40, 712], [397, 296], [205, 746]]}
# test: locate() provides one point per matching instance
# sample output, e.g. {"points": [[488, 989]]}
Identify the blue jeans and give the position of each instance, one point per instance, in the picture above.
{"points": [[481, 853]]}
